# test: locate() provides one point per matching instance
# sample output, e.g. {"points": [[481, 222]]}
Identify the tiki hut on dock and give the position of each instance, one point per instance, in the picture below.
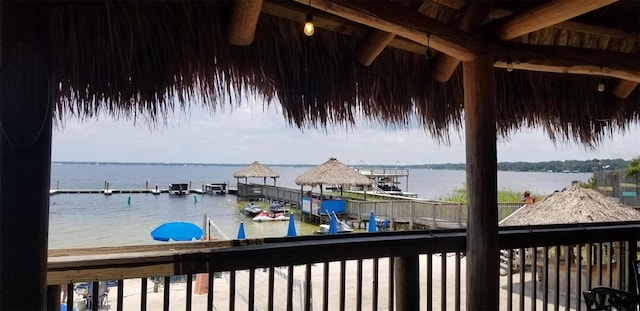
{"points": [[333, 173], [573, 204], [503, 65], [257, 170]]}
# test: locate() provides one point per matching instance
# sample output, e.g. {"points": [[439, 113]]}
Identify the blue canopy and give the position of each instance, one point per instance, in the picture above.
{"points": [[177, 231]]}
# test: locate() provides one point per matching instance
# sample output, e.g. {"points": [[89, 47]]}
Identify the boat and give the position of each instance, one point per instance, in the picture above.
{"points": [[179, 189], [268, 216], [277, 207], [252, 209], [215, 188], [341, 226]]}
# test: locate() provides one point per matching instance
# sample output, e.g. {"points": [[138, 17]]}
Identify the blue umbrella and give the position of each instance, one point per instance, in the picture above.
{"points": [[372, 223], [177, 231], [292, 226], [333, 226], [241, 234]]}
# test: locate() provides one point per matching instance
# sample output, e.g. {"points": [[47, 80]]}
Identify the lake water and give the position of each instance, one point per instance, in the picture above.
{"points": [[94, 220]]}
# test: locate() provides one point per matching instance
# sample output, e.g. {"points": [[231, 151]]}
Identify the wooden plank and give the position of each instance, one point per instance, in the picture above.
{"points": [[547, 14], [373, 46], [482, 179], [473, 17], [623, 88]]}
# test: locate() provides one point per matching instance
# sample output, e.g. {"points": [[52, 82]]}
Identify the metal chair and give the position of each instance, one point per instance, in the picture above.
{"points": [[607, 299]]}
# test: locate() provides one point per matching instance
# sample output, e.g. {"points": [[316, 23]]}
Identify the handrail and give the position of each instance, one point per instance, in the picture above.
{"points": [[78, 265]]}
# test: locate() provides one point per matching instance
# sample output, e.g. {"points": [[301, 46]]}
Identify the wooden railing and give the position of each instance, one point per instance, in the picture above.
{"points": [[412, 212], [371, 271]]}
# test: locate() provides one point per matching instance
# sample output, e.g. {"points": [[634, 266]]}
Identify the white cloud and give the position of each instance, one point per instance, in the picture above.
{"points": [[247, 133]]}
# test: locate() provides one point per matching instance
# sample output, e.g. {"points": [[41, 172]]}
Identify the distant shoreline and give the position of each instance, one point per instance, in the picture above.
{"points": [[569, 166]]}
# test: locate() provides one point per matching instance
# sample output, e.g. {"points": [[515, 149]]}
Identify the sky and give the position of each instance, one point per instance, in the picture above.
{"points": [[253, 133]]}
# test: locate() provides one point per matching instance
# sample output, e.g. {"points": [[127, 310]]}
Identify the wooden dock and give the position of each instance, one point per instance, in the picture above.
{"points": [[120, 191]]}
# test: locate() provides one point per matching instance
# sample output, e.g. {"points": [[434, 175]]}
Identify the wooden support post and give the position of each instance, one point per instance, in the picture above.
{"points": [[407, 283], [241, 28], [25, 154], [482, 226]]}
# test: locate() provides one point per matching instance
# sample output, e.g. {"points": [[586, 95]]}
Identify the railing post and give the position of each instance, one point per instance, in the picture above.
{"points": [[632, 285], [407, 283], [53, 297]]}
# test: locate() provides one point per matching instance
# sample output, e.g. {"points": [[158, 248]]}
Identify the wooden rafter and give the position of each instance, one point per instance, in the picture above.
{"points": [[474, 16], [623, 88], [403, 22], [546, 15], [373, 46], [414, 26], [243, 21]]}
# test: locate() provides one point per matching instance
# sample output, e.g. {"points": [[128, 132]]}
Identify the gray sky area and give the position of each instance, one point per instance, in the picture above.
{"points": [[248, 133]]}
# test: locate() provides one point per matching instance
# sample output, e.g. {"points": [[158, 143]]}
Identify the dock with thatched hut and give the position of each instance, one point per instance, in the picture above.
{"points": [[329, 173], [573, 204]]}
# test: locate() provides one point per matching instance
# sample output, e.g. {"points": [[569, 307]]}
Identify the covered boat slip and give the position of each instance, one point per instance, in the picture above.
{"points": [[569, 67]]}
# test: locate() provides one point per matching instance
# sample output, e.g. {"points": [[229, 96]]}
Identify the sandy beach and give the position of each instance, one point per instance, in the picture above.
{"points": [[221, 297]]}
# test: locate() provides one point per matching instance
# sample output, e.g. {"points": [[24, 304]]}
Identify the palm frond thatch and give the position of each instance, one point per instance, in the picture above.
{"points": [[256, 170], [333, 173], [136, 59], [572, 205]]}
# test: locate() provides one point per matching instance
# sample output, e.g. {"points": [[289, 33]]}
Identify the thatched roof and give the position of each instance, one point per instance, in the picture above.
{"points": [[332, 173], [138, 59], [572, 205], [255, 170]]}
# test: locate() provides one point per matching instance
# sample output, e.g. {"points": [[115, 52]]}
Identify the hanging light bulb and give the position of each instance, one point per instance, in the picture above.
{"points": [[509, 64], [428, 54], [309, 28], [600, 83]]}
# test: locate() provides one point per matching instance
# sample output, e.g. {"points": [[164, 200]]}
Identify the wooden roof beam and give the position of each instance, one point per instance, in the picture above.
{"points": [[623, 88], [590, 70], [402, 22], [375, 43], [241, 28], [547, 15], [474, 15], [525, 56]]}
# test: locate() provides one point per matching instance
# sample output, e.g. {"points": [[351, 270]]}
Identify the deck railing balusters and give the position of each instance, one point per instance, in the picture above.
{"points": [[307, 288], [166, 291], [429, 282], [443, 281], [589, 261], [556, 298], [522, 263], [510, 280], [271, 287], [359, 285], [568, 259], [610, 264], [210, 278], [290, 288], [374, 295], [252, 290], [391, 284], [599, 263], [534, 278], [545, 279], [325, 287], [232, 290], [143, 294], [457, 282], [343, 277], [578, 276]]}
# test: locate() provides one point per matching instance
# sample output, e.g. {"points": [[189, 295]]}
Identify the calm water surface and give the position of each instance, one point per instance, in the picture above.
{"points": [[94, 220]]}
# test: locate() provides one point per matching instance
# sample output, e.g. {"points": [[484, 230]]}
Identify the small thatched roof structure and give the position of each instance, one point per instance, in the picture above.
{"points": [[334, 173], [256, 170], [572, 205]]}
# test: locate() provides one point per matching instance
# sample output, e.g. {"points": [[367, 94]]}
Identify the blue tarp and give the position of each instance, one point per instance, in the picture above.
{"points": [[177, 231]]}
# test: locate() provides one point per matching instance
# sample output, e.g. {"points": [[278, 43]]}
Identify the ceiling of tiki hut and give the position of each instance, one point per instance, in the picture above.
{"points": [[570, 67]]}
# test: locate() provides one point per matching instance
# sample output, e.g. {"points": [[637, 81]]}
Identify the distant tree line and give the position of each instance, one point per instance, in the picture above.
{"points": [[575, 166]]}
